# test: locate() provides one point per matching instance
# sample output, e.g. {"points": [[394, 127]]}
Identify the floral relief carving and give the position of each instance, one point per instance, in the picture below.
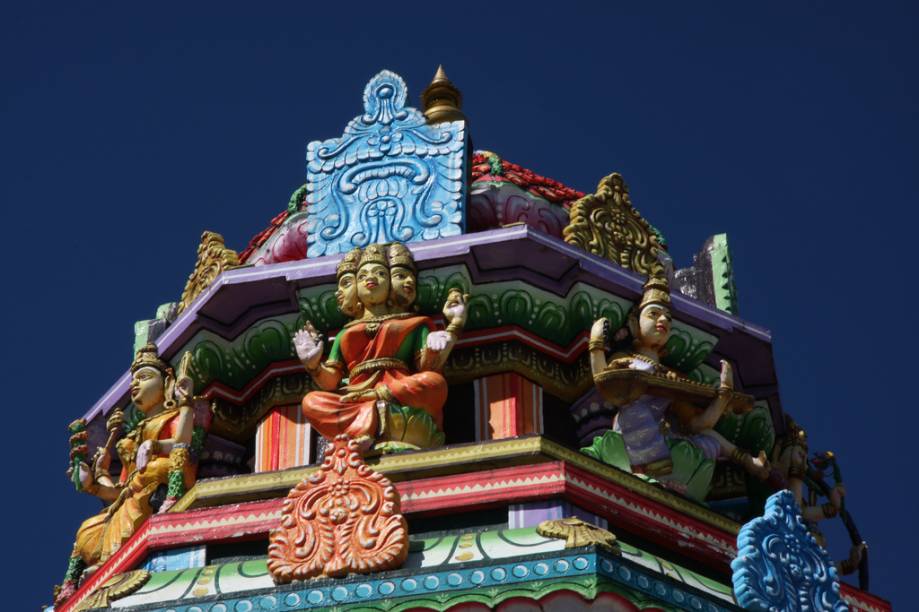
{"points": [[345, 518]]}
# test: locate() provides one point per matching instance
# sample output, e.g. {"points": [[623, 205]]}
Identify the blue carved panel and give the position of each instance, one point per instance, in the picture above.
{"points": [[176, 559], [779, 565], [389, 177]]}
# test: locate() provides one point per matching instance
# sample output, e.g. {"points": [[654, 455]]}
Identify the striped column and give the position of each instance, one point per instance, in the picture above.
{"points": [[283, 440], [507, 405]]}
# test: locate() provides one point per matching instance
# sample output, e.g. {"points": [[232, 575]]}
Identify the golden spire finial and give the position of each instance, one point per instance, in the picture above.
{"points": [[440, 75], [441, 100]]}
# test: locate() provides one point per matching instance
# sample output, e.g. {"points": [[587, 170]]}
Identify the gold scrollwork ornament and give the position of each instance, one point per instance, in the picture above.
{"points": [[606, 224]]}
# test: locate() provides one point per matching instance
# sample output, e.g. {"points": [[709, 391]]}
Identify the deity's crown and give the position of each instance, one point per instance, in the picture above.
{"points": [[373, 253], [148, 357], [794, 435], [401, 256], [656, 290], [349, 263]]}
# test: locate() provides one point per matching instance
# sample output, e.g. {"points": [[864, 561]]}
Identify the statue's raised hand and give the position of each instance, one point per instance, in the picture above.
{"points": [[455, 308], [438, 340], [727, 376], [599, 332], [115, 421], [308, 344], [85, 474]]}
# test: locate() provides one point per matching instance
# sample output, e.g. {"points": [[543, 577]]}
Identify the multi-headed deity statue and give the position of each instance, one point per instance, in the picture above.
{"points": [[157, 456], [663, 427], [390, 355]]}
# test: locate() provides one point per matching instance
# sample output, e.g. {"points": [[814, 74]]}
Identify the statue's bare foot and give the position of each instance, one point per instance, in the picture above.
{"points": [[364, 444], [89, 571]]}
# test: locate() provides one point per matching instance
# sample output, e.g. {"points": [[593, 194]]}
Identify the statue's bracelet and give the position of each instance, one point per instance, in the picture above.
{"points": [[313, 370]]}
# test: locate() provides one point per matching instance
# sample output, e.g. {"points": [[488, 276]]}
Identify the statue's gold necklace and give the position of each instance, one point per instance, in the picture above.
{"points": [[373, 324]]}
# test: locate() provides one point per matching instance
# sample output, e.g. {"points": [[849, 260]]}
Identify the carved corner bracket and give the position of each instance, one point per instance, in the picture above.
{"points": [[213, 259], [577, 533], [606, 224]]}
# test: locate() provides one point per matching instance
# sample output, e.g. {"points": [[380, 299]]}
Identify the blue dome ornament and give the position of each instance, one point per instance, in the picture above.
{"points": [[780, 566], [390, 177]]}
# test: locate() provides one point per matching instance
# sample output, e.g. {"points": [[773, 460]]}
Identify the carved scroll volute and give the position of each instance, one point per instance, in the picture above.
{"points": [[606, 224], [213, 258], [345, 518]]}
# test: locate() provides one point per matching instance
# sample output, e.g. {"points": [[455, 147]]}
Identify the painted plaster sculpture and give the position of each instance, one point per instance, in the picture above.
{"points": [[606, 224], [157, 464], [213, 258], [577, 533], [805, 480], [390, 177], [664, 426], [345, 518], [390, 355], [779, 565]]}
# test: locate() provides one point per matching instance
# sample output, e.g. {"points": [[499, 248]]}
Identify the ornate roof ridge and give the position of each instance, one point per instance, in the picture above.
{"points": [[485, 166]]}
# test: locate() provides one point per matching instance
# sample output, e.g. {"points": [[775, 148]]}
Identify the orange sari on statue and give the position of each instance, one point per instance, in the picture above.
{"points": [[373, 359]]}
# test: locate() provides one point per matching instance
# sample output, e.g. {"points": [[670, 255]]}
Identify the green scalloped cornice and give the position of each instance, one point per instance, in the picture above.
{"points": [[556, 319]]}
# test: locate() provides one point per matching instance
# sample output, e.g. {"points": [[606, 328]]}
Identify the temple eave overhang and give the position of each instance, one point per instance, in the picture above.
{"points": [[240, 297]]}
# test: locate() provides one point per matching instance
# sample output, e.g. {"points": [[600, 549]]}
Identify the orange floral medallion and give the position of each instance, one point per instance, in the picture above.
{"points": [[345, 518]]}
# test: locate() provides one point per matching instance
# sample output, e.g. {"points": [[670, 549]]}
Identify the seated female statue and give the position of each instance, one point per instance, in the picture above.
{"points": [[389, 355], [156, 465], [655, 430]]}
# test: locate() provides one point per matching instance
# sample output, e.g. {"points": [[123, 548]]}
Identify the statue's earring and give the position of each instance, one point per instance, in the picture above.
{"points": [[169, 404]]}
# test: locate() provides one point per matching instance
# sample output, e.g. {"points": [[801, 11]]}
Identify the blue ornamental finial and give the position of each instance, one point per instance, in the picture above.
{"points": [[384, 99], [391, 177], [780, 566]]}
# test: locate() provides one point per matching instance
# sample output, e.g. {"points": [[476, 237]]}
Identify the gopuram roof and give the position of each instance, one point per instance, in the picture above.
{"points": [[440, 381]]}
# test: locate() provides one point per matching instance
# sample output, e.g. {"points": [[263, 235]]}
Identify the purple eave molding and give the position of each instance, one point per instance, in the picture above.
{"points": [[323, 268]]}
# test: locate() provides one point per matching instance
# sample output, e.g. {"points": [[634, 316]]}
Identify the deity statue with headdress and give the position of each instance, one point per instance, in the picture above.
{"points": [[664, 423], [158, 457], [390, 355]]}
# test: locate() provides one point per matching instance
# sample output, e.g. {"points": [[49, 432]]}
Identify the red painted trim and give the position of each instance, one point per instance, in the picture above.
{"points": [[862, 600], [444, 494]]}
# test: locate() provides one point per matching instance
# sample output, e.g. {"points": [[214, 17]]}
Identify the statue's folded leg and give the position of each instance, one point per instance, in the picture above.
{"points": [[88, 544], [331, 417], [425, 390]]}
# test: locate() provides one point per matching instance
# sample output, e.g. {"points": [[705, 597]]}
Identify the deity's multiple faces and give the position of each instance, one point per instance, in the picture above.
{"points": [[375, 284]]}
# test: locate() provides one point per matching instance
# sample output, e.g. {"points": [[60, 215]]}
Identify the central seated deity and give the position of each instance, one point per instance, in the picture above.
{"points": [[388, 357]]}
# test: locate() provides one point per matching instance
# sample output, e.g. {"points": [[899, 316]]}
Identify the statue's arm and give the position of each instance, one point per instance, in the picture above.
{"points": [[308, 346], [436, 346], [327, 377], [712, 414], [596, 345], [183, 431]]}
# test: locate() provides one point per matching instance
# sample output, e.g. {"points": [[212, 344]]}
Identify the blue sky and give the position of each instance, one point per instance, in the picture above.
{"points": [[793, 127]]}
